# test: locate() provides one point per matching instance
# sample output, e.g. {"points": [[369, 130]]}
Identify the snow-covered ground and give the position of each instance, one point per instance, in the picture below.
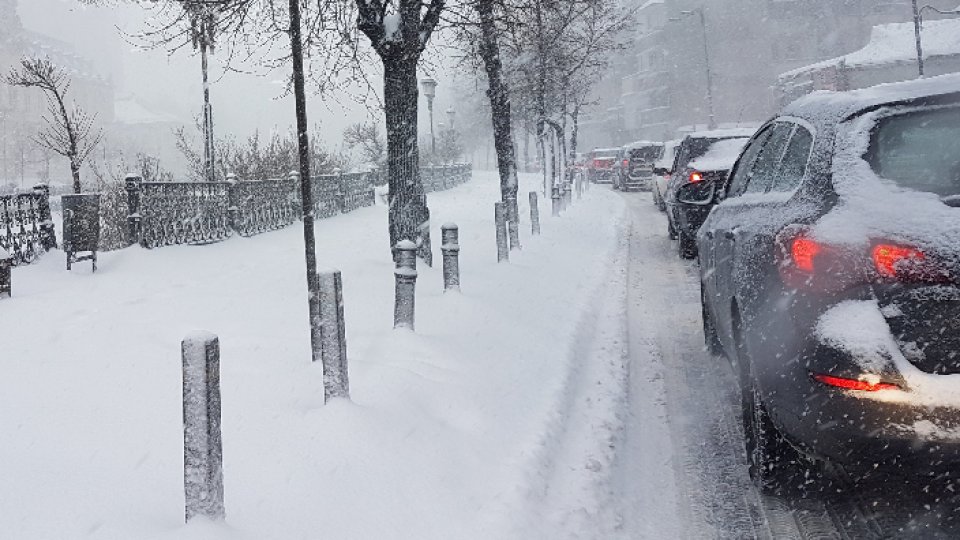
{"points": [[498, 418]]}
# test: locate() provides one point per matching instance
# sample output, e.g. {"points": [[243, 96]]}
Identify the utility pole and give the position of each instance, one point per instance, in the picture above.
{"points": [[711, 120], [916, 32]]}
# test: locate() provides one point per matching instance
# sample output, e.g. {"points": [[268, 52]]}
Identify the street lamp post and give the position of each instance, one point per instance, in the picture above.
{"points": [[430, 90], [918, 26], [712, 124]]}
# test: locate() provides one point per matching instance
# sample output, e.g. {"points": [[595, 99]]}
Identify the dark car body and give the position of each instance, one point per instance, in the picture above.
{"points": [[600, 165], [635, 165], [693, 191], [793, 255]]}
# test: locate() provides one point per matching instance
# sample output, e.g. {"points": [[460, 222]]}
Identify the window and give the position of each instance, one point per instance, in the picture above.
{"points": [[738, 182], [764, 170], [794, 164], [919, 150]]}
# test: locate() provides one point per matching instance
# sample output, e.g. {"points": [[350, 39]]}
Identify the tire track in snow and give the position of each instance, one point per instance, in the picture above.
{"points": [[576, 496]]}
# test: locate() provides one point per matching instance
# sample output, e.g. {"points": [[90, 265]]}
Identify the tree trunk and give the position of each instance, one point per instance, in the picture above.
{"points": [[500, 113], [75, 171], [408, 214], [575, 131]]}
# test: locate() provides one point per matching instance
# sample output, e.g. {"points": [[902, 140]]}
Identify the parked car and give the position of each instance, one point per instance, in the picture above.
{"points": [[635, 165], [662, 168], [829, 276], [600, 165], [700, 167]]}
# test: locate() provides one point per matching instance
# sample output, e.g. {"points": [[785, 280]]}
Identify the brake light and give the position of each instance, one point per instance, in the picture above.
{"points": [[803, 250], [695, 177], [597, 164], [626, 163], [886, 258], [853, 384]]}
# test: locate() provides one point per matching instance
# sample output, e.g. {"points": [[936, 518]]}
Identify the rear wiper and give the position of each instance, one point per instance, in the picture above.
{"points": [[951, 200]]}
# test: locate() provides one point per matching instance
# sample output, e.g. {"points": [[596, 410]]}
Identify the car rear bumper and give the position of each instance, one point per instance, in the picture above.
{"points": [[601, 176], [639, 183]]}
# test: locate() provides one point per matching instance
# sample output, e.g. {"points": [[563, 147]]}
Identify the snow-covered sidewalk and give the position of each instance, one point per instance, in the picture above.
{"points": [[453, 432]]}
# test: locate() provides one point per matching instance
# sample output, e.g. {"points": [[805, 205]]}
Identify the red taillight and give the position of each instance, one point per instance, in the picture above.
{"points": [[626, 163], [803, 250], [886, 258], [853, 384], [695, 177]]}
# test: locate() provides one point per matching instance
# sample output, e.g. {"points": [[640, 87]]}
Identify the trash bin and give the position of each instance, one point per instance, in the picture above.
{"points": [[81, 227]]}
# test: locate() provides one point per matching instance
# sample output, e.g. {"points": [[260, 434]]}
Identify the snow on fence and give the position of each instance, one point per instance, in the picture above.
{"points": [[26, 229], [169, 213]]}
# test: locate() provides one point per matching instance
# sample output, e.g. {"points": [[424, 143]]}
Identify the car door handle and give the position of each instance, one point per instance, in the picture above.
{"points": [[730, 234], [709, 234]]}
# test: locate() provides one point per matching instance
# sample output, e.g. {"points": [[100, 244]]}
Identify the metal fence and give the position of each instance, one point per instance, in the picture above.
{"points": [[167, 213], [26, 229]]}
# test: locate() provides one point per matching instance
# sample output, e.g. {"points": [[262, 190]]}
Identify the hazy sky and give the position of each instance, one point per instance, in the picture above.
{"points": [[171, 84]]}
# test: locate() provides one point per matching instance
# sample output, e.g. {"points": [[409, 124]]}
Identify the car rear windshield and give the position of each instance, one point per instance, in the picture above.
{"points": [[919, 150], [647, 153], [691, 149], [605, 153]]}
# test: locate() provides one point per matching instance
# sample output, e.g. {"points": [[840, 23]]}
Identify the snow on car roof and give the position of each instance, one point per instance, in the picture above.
{"points": [[641, 144], [893, 43], [720, 156], [837, 106], [718, 133]]}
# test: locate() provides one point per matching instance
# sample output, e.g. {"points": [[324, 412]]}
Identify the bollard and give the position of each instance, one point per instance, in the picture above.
{"points": [[451, 253], [555, 199], [202, 445], [500, 218], [333, 339], [567, 194], [134, 218], [534, 214], [513, 221], [406, 277]]}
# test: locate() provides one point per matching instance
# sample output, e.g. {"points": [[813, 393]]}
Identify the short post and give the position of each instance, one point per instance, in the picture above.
{"points": [[6, 274], [534, 214], [513, 221], [333, 340], [567, 194], [134, 219], [341, 193], [48, 236], [406, 277], [500, 217], [451, 256], [202, 445], [555, 199], [233, 210]]}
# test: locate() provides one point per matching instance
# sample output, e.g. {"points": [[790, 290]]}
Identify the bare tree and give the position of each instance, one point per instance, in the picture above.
{"points": [[399, 31], [69, 130], [367, 137]]}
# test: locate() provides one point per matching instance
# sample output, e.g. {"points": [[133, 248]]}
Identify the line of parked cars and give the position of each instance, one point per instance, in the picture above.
{"points": [[626, 168], [828, 243]]}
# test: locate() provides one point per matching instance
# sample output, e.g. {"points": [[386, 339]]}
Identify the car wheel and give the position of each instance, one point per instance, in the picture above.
{"points": [[671, 231], [710, 338], [686, 245], [775, 466]]}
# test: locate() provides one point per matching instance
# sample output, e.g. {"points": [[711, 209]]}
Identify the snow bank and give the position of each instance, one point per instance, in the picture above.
{"points": [[892, 43], [451, 430]]}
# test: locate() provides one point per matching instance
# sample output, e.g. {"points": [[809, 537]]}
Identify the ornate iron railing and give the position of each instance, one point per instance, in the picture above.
{"points": [[257, 207], [26, 229], [166, 213], [183, 213]]}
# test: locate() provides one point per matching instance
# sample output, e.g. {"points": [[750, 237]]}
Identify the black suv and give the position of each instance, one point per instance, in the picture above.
{"points": [[829, 277], [700, 168]]}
